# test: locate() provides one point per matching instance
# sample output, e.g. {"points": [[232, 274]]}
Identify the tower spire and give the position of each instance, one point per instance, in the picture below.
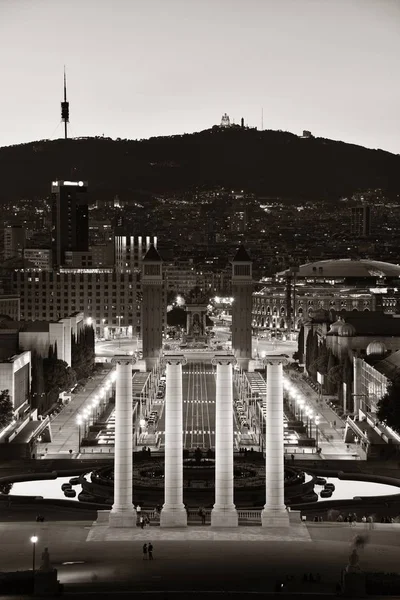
{"points": [[65, 107]]}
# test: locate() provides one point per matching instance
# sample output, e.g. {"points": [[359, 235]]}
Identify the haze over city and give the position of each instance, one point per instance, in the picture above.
{"points": [[151, 68]]}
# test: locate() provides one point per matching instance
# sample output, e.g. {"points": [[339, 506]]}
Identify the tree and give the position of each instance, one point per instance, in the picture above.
{"points": [[389, 405], [176, 317], [300, 344], [58, 375], [313, 354], [82, 352], [347, 366], [330, 382], [6, 409], [38, 383]]}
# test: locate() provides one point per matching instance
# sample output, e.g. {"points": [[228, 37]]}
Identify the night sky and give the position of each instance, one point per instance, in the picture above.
{"points": [[142, 68]]}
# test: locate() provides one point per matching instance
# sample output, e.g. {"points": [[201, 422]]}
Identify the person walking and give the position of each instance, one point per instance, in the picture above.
{"points": [[150, 549], [142, 523], [138, 514], [144, 551]]}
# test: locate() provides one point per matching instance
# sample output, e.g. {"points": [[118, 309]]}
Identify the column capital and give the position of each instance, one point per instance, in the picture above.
{"points": [[123, 359], [174, 359], [276, 359], [223, 359]]}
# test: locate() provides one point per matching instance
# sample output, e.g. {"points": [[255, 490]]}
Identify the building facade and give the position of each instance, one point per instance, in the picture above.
{"points": [[38, 257], [14, 241], [15, 376], [345, 285], [10, 306], [70, 219], [107, 299]]}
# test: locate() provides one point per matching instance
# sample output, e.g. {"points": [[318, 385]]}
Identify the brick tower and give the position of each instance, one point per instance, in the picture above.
{"points": [[242, 289], [152, 307]]}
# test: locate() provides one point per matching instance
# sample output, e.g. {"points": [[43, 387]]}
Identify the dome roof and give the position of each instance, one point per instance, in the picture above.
{"points": [[347, 330], [346, 267], [336, 326], [378, 348]]}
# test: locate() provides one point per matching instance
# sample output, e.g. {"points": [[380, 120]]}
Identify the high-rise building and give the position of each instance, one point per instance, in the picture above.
{"points": [[14, 241], [361, 220], [129, 250], [70, 222]]}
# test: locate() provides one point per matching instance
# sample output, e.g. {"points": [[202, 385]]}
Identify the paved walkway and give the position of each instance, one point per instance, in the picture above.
{"points": [[330, 436], [294, 533], [64, 429]]}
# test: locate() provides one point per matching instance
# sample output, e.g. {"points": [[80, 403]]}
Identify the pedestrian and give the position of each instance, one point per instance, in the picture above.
{"points": [[144, 551], [138, 513], [150, 549], [141, 521]]}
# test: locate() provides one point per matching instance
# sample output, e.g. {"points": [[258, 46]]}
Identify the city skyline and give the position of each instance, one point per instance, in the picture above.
{"points": [[142, 69]]}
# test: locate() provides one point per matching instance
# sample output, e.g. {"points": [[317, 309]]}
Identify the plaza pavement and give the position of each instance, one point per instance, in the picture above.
{"points": [[209, 565]]}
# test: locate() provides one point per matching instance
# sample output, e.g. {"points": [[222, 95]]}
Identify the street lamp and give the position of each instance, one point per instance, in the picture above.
{"points": [[34, 539], [316, 430], [309, 421], [301, 404], [119, 317]]}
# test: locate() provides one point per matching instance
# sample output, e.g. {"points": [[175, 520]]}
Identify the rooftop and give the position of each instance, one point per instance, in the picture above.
{"points": [[346, 267]]}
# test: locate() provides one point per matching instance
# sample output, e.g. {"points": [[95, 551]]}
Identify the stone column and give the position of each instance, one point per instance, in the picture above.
{"points": [[224, 513], [274, 513], [123, 513], [173, 513]]}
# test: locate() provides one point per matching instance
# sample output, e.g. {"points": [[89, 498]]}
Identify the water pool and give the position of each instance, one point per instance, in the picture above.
{"points": [[47, 488], [344, 489], [347, 489]]}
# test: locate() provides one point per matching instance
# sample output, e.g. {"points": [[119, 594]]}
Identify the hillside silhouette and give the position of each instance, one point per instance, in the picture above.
{"points": [[269, 163]]}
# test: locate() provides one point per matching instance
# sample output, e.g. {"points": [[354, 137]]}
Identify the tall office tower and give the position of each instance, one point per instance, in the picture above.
{"points": [[361, 220], [242, 290], [70, 221], [153, 308], [14, 241], [129, 250]]}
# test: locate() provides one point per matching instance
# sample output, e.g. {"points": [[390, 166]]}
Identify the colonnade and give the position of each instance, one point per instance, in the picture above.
{"points": [[224, 513]]}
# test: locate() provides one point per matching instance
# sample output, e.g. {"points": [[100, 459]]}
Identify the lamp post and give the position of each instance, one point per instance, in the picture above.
{"points": [[310, 415], [95, 403], [301, 404], [119, 317], [316, 430], [34, 539]]}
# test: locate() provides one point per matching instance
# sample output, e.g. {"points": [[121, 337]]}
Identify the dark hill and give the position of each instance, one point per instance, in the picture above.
{"points": [[270, 163]]}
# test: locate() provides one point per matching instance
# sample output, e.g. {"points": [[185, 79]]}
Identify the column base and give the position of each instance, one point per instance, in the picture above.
{"points": [[275, 517], [126, 519], [173, 517], [224, 517]]}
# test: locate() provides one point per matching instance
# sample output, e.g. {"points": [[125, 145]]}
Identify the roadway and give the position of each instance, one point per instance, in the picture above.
{"points": [[198, 391]]}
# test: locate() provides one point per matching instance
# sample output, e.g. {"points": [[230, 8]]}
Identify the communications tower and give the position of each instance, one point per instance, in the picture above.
{"points": [[65, 108]]}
